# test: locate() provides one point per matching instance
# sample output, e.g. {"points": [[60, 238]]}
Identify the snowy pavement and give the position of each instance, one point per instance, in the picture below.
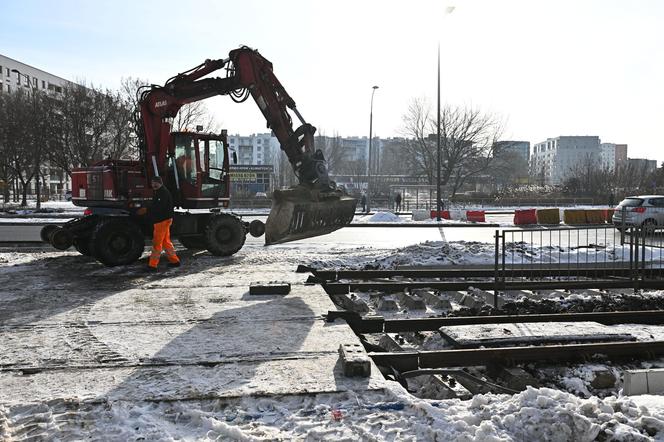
{"points": [[88, 352]]}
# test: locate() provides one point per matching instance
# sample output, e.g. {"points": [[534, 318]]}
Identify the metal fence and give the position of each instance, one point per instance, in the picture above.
{"points": [[590, 253]]}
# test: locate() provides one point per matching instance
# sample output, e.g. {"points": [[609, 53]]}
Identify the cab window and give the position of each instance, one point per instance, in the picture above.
{"points": [[185, 158]]}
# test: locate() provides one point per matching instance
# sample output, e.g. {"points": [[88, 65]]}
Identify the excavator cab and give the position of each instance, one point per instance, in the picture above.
{"points": [[198, 171]]}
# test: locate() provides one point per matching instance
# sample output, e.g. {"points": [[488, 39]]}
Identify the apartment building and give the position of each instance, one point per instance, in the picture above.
{"points": [[16, 75], [613, 155], [553, 160]]}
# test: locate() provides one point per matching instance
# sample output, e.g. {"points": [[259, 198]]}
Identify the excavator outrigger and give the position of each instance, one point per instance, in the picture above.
{"points": [[195, 168]]}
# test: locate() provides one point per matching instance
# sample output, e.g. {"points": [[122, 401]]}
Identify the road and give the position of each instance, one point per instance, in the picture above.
{"points": [[395, 237]]}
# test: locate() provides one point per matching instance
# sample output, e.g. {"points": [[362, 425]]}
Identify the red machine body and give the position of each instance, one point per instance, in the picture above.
{"points": [[195, 166]]}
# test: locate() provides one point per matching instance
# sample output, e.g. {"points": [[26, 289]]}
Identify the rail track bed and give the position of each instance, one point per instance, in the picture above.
{"points": [[448, 333]]}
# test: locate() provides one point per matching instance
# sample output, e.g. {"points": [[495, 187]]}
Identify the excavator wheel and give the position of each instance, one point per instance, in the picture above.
{"points": [[82, 245], [224, 235], [193, 242], [46, 231], [116, 242]]}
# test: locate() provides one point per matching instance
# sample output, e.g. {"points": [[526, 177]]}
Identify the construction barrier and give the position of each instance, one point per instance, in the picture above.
{"points": [[458, 215], [527, 216], [476, 216], [420, 215], [444, 214], [608, 215], [595, 216], [548, 216], [574, 216]]}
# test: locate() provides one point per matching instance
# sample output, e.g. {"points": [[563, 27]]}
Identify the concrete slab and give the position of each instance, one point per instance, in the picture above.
{"points": [[171, 344], [644, 382], [496, 335]]}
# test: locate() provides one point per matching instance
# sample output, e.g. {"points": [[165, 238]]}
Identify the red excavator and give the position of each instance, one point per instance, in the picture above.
{"points": [[195, 167]]}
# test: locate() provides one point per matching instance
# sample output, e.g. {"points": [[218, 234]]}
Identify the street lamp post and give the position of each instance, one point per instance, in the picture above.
{"points": [[370, 146], [438, 144], [448, 11], [37, 157]]}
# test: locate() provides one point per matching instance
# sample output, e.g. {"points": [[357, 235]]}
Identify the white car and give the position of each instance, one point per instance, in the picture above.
{"points": [[642, 210]]}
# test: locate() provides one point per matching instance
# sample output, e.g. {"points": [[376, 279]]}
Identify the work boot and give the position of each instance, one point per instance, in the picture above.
{"points": [[174, 264], [150, 269]]}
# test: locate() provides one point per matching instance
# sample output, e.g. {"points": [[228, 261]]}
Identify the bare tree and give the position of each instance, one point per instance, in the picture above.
{"points": [[468, 137], [332, 150], [24, 135], [589, 177], [392, 161]]}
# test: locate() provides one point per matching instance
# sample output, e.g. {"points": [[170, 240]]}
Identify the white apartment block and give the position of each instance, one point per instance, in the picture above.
{"points": [[14, 76], [255, 148], [612, 155], [553, 160]]}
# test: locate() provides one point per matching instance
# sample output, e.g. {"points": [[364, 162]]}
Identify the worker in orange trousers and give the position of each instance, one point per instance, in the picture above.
{"points": [[161, 215]]}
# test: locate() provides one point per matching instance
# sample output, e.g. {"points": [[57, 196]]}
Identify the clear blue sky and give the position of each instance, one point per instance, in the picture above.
{"points": [[563, 67]]}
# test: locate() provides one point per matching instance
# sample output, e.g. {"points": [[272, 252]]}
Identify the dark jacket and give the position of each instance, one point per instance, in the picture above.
{"points": [[162, 206]]}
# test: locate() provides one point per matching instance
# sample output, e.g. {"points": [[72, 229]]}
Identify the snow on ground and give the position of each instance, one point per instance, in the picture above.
{"points": [[533, 415], [393, 414], [437, 253], [380, 217]]}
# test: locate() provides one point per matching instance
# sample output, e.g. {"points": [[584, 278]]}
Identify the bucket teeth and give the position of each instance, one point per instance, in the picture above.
{"points": [[300, 213]]}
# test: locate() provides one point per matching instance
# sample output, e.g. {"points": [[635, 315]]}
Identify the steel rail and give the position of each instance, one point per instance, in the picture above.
{"points": [[410, 361], [378, 324], [336, 275], [383, 288]]}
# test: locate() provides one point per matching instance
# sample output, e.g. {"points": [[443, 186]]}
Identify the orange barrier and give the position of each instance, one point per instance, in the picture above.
{"points": [[608, 215], [574, 216], [476, 216], [527, 216], [445, 214], [595, 216], [548, 216]]}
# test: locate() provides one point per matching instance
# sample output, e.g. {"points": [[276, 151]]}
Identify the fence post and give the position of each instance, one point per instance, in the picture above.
{"points": [[495, 268]]}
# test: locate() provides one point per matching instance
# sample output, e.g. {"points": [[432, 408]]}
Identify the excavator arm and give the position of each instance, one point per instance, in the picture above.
{"points": [[312, 208]]}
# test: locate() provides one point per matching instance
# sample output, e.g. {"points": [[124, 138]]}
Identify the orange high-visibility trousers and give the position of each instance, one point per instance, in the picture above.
{"points": [[161, 239]]}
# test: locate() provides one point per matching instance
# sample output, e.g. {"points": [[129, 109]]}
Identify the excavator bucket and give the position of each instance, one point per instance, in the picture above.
{"points": [[302, 212]]}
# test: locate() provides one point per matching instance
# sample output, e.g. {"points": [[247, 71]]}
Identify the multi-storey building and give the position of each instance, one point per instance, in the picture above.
{"points": [[520, 148], [15, 75], [554, 160], [642, 165], [613, 155]]}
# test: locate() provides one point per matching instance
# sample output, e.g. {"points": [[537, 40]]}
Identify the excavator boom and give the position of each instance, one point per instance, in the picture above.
{"points": [[315, 206]]}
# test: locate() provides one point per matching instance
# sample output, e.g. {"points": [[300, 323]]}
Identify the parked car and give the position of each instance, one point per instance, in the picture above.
{"points": [[642, 210]]}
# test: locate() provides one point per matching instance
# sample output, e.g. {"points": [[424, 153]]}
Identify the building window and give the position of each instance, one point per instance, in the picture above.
{"points": [[43, 84], [9, 88], [8, 72], [34, 82]]}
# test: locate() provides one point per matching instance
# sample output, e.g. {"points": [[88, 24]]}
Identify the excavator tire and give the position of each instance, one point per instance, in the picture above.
{"points": [[225, 234], [46, 231], [82, 245], [193, 242], [116, 242]]}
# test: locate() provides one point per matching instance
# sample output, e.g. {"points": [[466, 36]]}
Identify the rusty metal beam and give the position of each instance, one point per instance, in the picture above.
{"points": [[407, 361], [377, 324]]}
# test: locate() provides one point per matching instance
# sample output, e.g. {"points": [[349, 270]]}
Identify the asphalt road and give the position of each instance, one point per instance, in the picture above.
{"points": [[395, 237]]}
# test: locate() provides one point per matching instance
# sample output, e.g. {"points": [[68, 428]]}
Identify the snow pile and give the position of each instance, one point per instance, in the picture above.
{"points": [[437, 253], [533, 415], [381, 217]]}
